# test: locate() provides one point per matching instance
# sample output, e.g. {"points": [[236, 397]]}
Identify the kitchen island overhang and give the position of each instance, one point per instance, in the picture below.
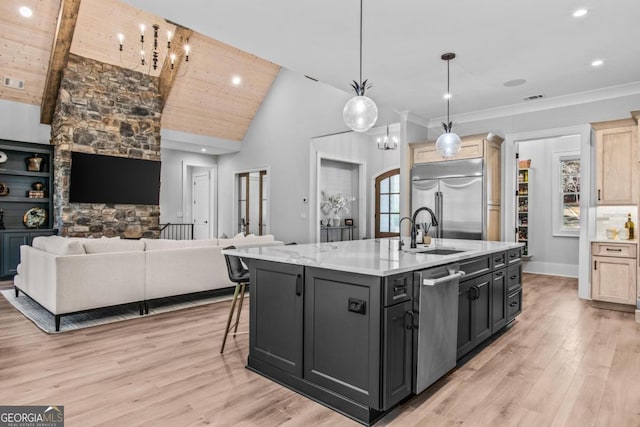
{"points": [[338, 322]]}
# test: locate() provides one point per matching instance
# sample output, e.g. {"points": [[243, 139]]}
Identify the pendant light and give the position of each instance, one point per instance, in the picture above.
{"points": [[386, 142], [360, 112], [448, 144]]}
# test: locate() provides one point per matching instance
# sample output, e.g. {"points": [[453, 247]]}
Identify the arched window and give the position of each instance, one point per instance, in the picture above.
{"points": [[388, 204]]}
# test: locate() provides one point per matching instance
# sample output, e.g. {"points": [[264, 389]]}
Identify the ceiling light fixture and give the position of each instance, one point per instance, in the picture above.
{"points": [[203, 150], [26, 12], [448, 144], [360, 112], [386, 142], [597, 63], [580, 12], [236, 80], [172, 55]]}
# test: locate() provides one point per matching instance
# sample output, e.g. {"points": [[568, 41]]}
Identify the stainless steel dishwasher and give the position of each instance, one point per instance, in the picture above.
{"points": [[435, 343]]}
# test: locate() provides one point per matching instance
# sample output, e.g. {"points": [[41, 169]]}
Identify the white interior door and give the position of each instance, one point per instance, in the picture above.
{"points": [[201, 206]]}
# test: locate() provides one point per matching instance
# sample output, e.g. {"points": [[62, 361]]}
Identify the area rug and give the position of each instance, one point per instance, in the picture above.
{"points": [[45, 321]]}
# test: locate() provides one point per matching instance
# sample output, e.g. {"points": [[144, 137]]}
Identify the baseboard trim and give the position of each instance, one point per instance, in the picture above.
{"points": [[614, 306], [550, 269]]}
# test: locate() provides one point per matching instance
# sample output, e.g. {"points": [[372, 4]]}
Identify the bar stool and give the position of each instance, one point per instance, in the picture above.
{"points": [[239, 275]]}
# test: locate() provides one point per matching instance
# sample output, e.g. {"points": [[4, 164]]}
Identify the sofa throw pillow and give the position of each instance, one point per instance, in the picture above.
{"points": [[59, 245], [100, 246]]}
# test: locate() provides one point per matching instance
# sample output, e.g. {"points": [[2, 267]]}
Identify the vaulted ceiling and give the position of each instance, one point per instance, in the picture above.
{"points": [[497, 41], [201, 98]]}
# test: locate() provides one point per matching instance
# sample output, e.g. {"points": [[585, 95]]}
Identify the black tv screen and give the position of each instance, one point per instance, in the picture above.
{"points": [[108, 179]]}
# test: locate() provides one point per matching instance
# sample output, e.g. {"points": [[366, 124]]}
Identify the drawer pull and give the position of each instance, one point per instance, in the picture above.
{"points": [[299, 284], [399, 288], [514, 277], [614, 250], [500, 274], [513, 304]]}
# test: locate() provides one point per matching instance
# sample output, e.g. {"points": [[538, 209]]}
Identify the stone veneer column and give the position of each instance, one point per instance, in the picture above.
{"points": [[109, 110]]}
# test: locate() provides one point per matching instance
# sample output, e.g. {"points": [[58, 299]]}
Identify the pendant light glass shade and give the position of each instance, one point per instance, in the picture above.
{"points": [[360, 113], [448, 144]]}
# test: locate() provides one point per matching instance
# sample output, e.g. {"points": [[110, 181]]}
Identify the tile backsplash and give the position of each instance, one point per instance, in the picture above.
{"points": [[614, 217]]}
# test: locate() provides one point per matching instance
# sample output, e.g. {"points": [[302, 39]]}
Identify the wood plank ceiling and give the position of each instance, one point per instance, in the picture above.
{"points": [[202, 99]]}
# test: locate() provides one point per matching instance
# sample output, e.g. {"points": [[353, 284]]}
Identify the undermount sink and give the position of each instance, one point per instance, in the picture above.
{"points": [[441, 251], [434, 251]]}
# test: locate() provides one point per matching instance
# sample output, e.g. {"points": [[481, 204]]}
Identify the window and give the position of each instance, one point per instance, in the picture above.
{"points": [[388, 204], [566, 205]]}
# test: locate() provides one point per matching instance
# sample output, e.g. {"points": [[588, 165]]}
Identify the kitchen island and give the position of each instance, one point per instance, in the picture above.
{"points": [[345, 323]]}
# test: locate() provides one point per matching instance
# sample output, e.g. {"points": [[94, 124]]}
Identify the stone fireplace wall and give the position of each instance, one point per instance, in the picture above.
{"points": [[104, 109]]}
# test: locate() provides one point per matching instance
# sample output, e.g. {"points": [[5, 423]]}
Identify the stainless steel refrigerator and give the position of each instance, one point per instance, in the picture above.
{"points": [[454, 190]]}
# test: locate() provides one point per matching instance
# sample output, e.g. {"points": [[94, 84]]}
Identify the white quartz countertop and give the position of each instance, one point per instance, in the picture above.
{"points": [[378, 257]]}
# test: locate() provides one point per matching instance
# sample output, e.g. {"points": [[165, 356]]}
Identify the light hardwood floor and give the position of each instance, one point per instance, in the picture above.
{"points": [[563, 362]]}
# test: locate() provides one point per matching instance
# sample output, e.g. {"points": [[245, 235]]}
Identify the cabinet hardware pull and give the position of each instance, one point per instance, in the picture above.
{"points": [[595, 265], [598, 194], [499, 274], [400, 287], [513, 304], [513, 277], [614, 250], [409, 324], [299, 285]]}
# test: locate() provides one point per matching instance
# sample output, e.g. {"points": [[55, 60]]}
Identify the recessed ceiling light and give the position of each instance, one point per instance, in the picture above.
{"points": [[580, 12], [447, 96], [26, 12], [515, 82], [597, 63], [236, 80], [203, 150]]}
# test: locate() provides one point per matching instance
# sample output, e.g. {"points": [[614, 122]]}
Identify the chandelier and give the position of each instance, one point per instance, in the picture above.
{"points": [[448, 144], [172, 54], [360, 112], [386, 142]]}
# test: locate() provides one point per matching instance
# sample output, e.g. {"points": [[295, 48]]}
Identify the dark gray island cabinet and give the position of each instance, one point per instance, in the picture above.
{"points": [[346, 339]]}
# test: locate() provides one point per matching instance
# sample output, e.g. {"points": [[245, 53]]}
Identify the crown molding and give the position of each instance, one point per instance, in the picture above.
{"points": [[596, 95]]}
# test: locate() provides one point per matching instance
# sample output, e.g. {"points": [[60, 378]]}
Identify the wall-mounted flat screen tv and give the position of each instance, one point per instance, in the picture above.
{"points": [[108, 179]]}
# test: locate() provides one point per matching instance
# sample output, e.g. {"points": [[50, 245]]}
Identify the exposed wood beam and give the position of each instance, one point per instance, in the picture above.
{"points": [[59, 57], [167, 75]]}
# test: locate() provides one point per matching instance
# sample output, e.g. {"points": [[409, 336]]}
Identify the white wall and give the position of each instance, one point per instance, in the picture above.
{"points": [[356, 148], [557, 255], [172, 186], [294, 111], [21, 122]]}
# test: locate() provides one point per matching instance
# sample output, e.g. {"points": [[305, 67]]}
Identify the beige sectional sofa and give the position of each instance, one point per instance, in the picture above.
{"points": [[69, 275]]}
